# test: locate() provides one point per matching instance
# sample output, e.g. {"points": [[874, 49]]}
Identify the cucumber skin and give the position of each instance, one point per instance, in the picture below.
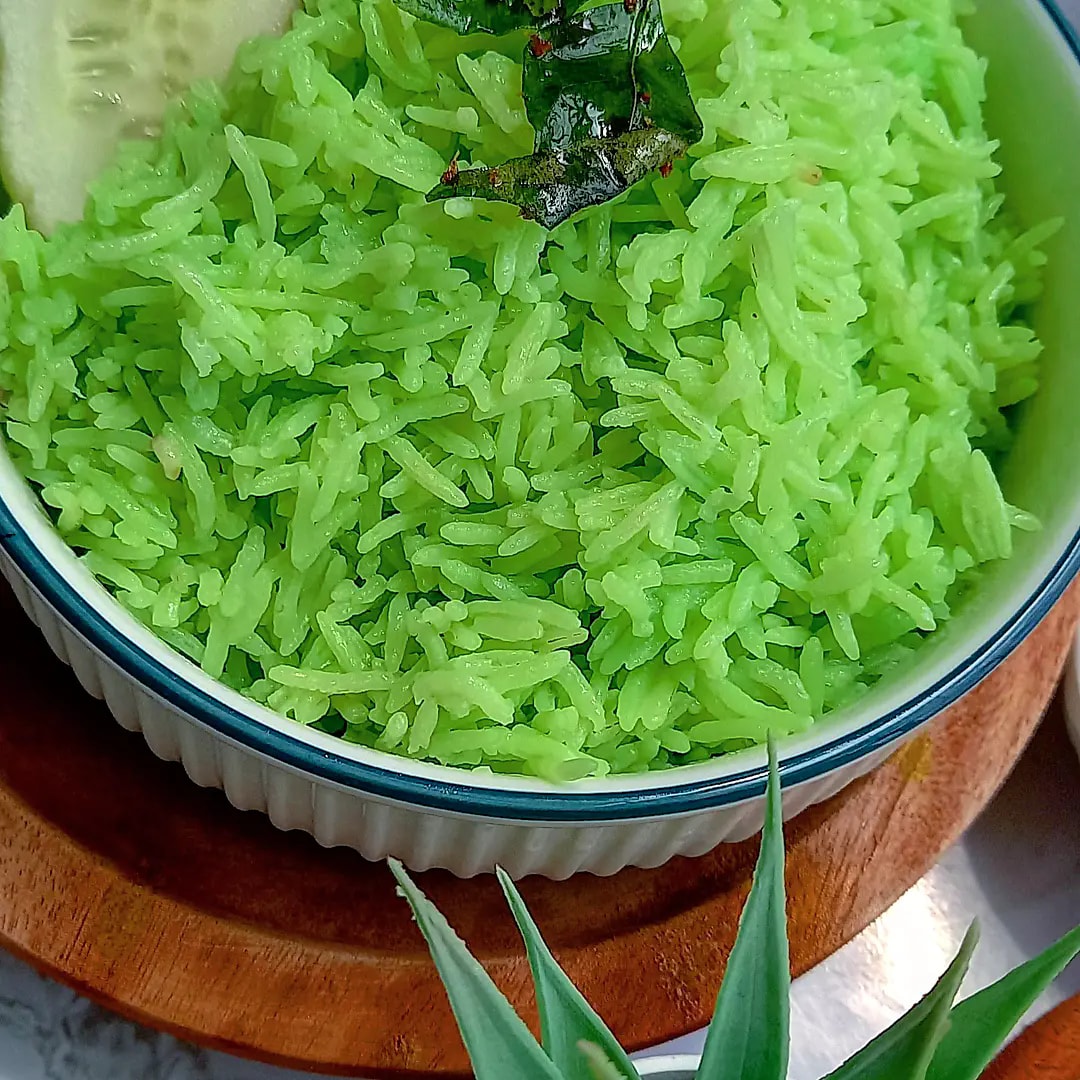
{"points": [[269, 17]]}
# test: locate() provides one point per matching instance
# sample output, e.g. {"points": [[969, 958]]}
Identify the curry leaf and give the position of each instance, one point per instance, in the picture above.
{"points": [[979, 1025], [498, 1042], [749, 1035], [605, 72], [905, 1050], [575, 1038], [490, 16], [550, 187], [604, 91], [475, 16]]}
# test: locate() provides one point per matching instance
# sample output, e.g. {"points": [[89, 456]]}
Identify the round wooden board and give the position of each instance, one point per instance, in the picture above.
{"points": [[1049, 1050], [121, 878]]}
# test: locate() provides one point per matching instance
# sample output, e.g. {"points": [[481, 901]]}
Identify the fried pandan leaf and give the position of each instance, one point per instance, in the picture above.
{"points": [[481, 16], [603, 73], [550, 187]]}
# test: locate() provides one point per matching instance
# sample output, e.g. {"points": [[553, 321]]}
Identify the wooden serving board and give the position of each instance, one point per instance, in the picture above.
{"points": [[121, 878], [1049, 1050]]}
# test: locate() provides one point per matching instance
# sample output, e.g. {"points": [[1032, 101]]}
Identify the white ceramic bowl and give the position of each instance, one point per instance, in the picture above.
{"points": [[434, 816]]}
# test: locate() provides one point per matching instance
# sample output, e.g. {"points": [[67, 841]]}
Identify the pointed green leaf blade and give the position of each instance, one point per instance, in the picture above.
{"points": [[498, 1042], [567, 1020], [749, 1035], [904, 1051], [979, 1026]]}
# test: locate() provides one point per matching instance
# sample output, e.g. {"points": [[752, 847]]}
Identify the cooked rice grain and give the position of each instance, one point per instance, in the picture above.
{"points": [[699, 465]]}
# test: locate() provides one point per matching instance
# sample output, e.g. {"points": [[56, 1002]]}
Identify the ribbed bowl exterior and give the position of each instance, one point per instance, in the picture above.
{"points": [[377, 827]]}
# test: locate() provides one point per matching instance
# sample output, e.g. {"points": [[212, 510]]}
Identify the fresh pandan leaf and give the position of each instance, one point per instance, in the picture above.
{"points": [[749, 1035], [980, 1025], [575, 1038], [605, 72], [905, 1050], [498, 1042], [551, 187]]}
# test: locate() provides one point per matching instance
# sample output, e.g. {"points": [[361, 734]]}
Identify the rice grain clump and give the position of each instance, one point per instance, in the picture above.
{"points": [[699, 464]]}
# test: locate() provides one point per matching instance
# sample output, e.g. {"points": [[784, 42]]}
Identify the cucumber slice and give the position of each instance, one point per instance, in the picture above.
{"points": [[77, 76]]}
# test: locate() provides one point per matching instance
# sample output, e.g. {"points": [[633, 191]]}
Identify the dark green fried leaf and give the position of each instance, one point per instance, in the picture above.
{"points": [[749, 1035], [604, 91], [551, 187], [478, 16], [905, 1050], [605, 72], [979, 1026], [575, 1038]]}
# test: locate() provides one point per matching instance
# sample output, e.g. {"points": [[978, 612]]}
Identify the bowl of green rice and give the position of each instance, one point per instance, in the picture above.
{"points": [[442, 535]]}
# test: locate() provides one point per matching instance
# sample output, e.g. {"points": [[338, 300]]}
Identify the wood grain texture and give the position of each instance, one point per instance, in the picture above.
{"points": [[1049, 1050], [156, 898]]}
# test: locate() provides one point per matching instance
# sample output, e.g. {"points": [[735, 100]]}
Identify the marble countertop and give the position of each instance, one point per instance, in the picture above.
{"points": [[1017, 870]]}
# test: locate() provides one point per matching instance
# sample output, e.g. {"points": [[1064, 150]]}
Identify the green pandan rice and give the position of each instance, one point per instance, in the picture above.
{"points": [[699, 464]]}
